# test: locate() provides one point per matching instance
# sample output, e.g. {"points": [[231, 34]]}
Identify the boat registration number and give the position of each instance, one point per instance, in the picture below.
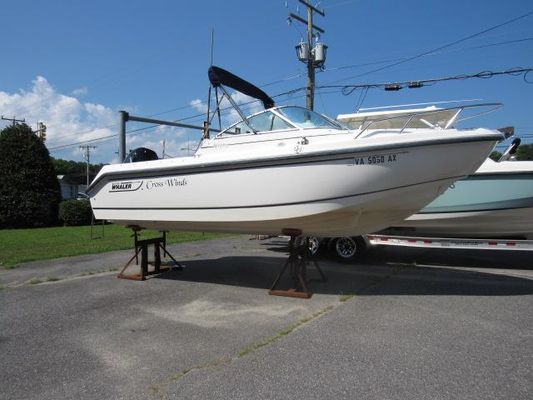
{"points": [[376, 159]]}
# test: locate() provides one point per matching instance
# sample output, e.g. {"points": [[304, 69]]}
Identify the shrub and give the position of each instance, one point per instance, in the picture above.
{"points": [[75, 212]]}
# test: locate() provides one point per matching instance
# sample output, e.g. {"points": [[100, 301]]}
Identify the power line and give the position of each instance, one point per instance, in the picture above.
{"points": [[395, 62], [346, 89], [351, 87], [84, 132], [425, 53], [392, 86], [341, 3], [141, 130], [288, 78], [66, 146], [352, 66], [299, 75]]}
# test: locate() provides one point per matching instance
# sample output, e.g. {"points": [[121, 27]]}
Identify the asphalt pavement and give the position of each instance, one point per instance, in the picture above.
{"points": [[397, 324]]}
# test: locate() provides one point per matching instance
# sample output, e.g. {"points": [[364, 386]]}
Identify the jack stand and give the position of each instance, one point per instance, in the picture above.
{"points": [[297, 265], [141, 246]]}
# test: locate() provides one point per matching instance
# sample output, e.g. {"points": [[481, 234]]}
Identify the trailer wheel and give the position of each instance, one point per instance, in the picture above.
{"points": [[347, 248], [314, 246]]}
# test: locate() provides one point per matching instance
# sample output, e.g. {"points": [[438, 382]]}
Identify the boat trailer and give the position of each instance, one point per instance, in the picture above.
{"points": [[296, 264], [451, 243], [141, 246]]}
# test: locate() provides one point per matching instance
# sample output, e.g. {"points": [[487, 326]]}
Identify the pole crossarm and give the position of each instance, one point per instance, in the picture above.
{"points": [[14, 120], [305, 22], [312, 7]]}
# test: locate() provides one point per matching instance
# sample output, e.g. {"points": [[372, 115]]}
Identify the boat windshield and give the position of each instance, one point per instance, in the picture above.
{"points": [[304, 118], [264, 121]]}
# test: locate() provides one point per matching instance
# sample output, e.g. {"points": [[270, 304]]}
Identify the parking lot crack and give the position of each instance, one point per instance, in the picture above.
{"points": [[157, 389], [284, 332]]}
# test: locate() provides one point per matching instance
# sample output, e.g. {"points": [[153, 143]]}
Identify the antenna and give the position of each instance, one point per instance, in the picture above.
{"points": [[207, 122], [212, 44]]}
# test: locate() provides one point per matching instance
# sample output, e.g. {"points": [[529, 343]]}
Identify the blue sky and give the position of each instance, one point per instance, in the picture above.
{"points": [[74, 64]]}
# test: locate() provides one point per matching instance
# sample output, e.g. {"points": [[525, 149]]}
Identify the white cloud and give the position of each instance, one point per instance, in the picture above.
{"points": [[229, 115], [80, 92], [248, 105], [70, 121], [67, 119], [199, 105]]}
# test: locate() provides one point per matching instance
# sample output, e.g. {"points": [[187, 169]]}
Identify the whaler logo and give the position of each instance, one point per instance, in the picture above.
{"points": [[121, 186], [125, 186]]}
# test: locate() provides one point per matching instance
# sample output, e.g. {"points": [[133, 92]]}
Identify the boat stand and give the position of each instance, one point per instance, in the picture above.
{"points": [[296, 264], [141, 246]]}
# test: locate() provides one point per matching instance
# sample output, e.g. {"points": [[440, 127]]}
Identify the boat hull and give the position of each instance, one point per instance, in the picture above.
{"points": [[498, 224], [498, 204], [346, 193]]}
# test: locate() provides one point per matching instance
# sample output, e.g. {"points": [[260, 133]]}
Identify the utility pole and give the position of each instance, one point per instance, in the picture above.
{"points": [[41, 131], [13, 120], [87, 155], [124, 117], [310, 95], [313, 55]]}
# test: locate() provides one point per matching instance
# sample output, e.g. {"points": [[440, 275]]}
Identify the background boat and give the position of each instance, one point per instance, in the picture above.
{"points": [[495, 202]]}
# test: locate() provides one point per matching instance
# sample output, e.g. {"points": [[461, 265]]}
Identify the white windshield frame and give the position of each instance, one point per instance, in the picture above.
{"points": [[277, 112]]}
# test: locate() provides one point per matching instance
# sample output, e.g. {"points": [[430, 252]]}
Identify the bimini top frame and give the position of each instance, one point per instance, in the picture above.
{"points": [[219, 78]]}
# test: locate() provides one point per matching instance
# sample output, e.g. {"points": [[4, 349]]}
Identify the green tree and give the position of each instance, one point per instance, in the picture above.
{"points": [[525, 152], [76, 170], [495, 155], [29, 189]]}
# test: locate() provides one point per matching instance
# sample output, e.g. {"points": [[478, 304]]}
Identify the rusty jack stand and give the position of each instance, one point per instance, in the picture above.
{"points": [[141, 246], [297, 264]]}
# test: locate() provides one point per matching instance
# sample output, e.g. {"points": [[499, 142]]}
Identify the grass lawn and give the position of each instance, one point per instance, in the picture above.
{"points": [[23, 245]]}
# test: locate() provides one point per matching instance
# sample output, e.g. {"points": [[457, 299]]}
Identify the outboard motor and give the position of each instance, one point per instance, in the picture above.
{"points": [[141, 154]]}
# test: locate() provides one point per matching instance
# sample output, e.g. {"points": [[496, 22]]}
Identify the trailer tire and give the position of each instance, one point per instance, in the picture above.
{"points": [[314, 246], [348, 248]]}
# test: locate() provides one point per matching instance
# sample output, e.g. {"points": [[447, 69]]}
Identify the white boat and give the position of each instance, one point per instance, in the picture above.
{"points": [[495, 202], [291, 168]]}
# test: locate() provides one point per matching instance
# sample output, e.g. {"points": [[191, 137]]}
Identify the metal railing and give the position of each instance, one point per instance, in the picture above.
{"points": [[454, 119]]}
